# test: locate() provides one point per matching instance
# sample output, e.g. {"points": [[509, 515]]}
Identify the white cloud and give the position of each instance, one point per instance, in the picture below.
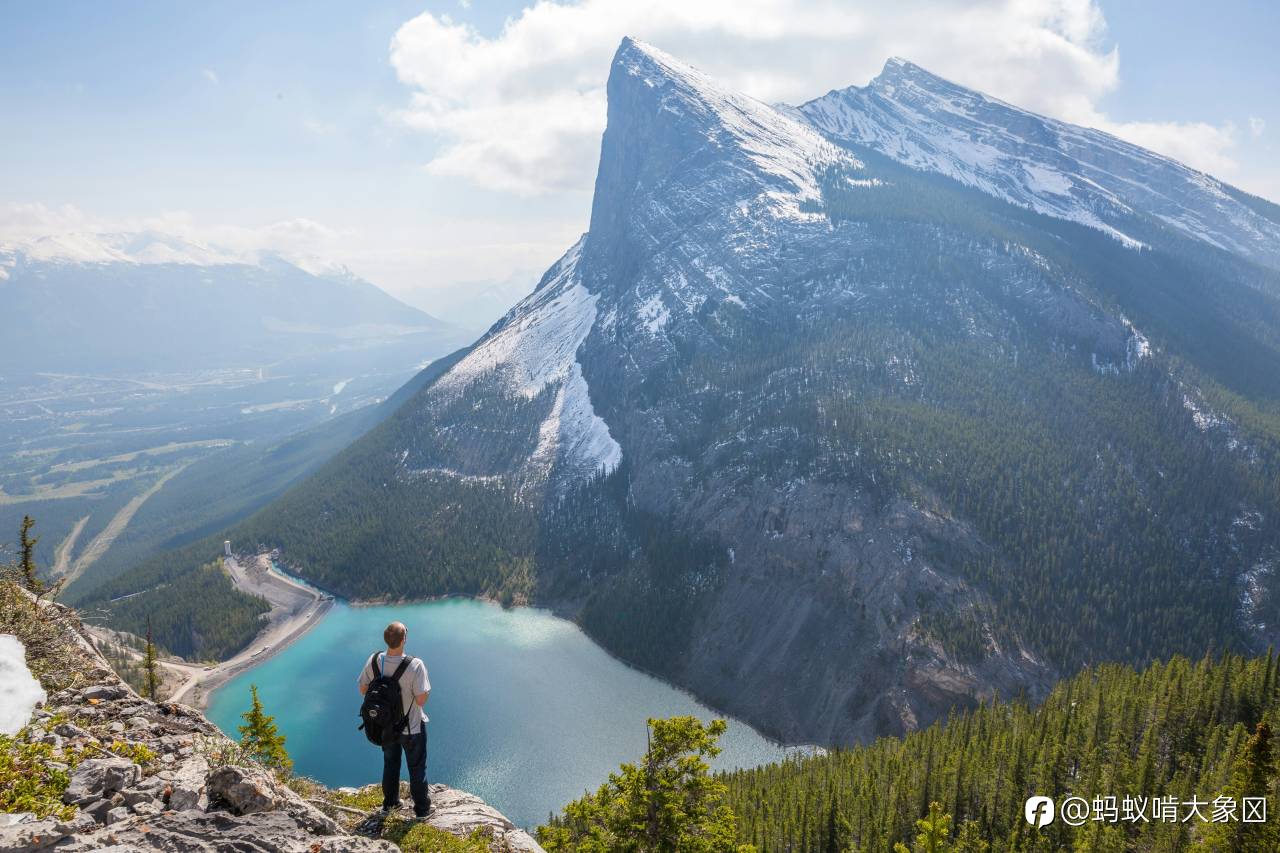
{"points": [[522, 111], [1256, 126], [210, 75], [68, 233], [319, 128]]}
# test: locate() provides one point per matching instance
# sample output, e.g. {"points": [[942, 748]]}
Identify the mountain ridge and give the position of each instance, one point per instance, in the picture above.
{"points": [[969, 136]]}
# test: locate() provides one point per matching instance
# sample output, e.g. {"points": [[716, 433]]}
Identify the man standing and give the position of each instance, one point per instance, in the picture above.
{"points": [[415, 687]]}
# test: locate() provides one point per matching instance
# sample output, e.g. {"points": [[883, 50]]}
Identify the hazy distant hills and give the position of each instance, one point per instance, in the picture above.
{"points": [[153, 389], [110, 310], [844, 414]]}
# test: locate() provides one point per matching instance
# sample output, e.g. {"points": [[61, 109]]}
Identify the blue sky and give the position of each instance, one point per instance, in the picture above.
{"points": [[436, 147]]}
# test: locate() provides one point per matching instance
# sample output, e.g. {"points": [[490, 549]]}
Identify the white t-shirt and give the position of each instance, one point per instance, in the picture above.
{"points": [[413, 683]]}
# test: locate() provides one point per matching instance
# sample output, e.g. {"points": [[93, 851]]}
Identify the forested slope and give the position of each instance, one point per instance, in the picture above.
{"points": [[1182, 730]]}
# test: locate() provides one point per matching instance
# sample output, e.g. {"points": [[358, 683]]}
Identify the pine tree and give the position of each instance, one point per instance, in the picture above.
{"points": [[27, 559], [667, 803], [149, 664], [1252, 777], [260, 737], [933, 833]]}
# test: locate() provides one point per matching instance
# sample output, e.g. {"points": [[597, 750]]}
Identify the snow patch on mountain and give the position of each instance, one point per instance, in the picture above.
{"points": [[777, 144], [1042, 164], [536, 345], [654, 314]]}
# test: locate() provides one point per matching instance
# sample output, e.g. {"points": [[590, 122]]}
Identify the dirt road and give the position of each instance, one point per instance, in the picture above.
{"points": [[295, 609]]}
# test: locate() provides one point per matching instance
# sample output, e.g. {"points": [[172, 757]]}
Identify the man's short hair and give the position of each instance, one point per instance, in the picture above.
{"points": [[394, 635]]}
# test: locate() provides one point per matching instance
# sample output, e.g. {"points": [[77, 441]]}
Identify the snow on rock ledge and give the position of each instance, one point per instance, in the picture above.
{"points": [[20, 693]]}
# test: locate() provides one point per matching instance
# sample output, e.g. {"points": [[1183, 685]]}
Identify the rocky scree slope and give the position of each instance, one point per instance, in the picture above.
{"points": [[159, 776], [840, 438]]}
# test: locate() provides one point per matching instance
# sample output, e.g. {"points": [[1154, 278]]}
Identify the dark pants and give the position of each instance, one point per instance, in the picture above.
{"points": [[415, 754]]}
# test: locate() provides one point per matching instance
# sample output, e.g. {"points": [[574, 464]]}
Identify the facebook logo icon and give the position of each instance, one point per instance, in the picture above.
{"points": [[1039, 811]]}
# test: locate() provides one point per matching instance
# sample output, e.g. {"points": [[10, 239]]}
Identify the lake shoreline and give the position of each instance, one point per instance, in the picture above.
{"points": [[296, 608]]}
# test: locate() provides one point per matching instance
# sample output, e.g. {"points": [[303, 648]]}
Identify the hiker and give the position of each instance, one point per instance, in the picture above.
{"points": [[394, 719]]}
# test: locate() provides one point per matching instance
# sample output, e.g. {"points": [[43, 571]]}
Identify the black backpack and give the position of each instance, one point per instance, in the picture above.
{"points": [[382, 712]]}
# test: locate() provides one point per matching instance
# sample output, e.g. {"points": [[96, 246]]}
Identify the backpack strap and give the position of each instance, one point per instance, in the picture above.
{"points": [[373, 665], [404, 664]]}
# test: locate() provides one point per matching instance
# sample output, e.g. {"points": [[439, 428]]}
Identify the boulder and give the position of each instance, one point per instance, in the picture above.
{"points": [[103, 692], [245, 790], [100, 777], [185, 784], [461, 814], [117, 814]]}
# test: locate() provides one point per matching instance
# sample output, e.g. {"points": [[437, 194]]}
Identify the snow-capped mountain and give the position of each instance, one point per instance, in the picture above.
{"points": [[1048, 166], [186, 305], [839, 431]]}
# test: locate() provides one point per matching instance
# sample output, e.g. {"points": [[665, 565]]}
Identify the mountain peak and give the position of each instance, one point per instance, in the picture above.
{"points": [[665, 113]]}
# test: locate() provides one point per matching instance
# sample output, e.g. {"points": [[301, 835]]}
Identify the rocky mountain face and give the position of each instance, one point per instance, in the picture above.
{"points": [[841, 420], [159, 776]]}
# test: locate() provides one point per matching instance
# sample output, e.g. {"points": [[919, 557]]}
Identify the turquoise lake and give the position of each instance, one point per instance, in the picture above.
{"points": [[526, 711]]}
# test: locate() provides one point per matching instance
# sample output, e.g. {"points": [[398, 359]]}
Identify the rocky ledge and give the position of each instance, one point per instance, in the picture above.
{"points": [[159, 776]]}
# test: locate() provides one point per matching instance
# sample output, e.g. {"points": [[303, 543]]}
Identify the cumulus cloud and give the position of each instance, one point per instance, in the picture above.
{"points": [[1256, 126], [522, 111]]}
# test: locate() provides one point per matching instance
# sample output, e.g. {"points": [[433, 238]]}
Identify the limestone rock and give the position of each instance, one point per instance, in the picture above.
{"points": [[460, 813], [213, 832], [246, 791], [99, 777], [104, 692]]}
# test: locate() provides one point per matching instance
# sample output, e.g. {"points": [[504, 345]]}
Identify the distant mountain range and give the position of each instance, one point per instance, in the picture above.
{"points": [[132, 302], [842, 414]]}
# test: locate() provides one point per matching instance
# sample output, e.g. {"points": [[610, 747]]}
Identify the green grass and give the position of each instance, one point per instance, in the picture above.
{"points": [[27, 781]]}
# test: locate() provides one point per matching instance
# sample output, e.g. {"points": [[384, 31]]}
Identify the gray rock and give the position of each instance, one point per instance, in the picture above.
{"points": [[104, 692], [117, 814], [186, 799], [185, 784], [148, 809], [98, 809], [11, 818], [70, 730], [244, 790], [461, 814], [99, 777], [31, 836], [135, 796], [139, 723], [53, 740], [116, 727], [216, 832]]}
